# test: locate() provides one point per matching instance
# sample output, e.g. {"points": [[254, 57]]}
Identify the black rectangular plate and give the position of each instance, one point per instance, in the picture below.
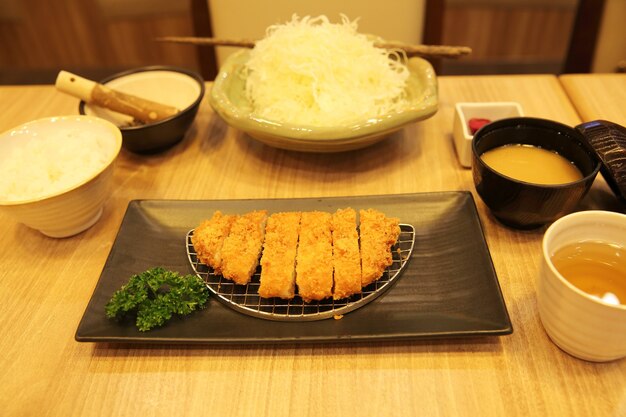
{"points": [[448, 289]]}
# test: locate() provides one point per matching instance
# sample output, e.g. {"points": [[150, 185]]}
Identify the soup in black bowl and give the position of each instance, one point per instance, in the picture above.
{"points": [[517, 198]]}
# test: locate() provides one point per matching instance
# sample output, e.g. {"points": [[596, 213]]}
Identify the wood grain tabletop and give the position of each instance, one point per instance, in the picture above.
{"points": [[47, 283], [597, 96]]}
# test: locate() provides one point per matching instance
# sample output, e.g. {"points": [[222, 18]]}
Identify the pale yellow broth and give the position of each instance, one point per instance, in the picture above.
{"points": [[531, 164]]}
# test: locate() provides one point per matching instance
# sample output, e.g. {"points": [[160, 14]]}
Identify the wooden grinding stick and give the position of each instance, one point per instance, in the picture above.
{"points": [[97, 94]]}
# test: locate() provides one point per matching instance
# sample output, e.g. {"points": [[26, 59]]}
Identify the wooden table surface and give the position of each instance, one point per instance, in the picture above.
{"points": [[46, 284], [597, 96]]}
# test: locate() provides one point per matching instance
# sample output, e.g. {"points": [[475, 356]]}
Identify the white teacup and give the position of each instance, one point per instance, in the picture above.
{"points": [[577, 322]]}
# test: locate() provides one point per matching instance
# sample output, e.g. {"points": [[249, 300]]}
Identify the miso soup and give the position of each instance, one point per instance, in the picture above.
{"points": [[531, 164]]}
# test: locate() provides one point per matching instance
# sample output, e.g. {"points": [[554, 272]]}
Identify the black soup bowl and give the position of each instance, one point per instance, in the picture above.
{"points": [[169, 85], [525, 205]]}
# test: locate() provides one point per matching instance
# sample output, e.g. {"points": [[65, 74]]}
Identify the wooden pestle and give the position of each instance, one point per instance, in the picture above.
{"points": [[100, 95]]}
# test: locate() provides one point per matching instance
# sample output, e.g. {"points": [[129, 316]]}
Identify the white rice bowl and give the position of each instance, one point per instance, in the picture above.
{"points": [[55, 172]]}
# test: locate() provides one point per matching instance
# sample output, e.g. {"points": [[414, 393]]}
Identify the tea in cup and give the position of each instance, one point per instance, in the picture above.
{"points": [[581, 290]]}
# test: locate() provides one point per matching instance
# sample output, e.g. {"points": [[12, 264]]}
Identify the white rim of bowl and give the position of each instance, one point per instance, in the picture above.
{"points": [[117, 134]]}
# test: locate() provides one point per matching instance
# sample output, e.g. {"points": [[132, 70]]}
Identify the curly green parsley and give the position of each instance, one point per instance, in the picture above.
{"points": [[155, 295]]}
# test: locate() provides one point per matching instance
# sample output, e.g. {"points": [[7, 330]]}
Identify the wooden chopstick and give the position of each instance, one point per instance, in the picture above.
{"points": [[435, 51]]}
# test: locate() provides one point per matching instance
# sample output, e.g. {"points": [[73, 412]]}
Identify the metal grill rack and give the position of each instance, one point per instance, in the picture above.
{"points": [[246, 299]]}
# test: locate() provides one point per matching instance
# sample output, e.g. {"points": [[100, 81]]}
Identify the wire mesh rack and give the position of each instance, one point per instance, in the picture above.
{"points": [[246, 299]]}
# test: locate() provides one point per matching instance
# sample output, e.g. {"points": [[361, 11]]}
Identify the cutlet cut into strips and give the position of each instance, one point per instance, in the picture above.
{"points": [[346, 256], [208, 239], [378, 234], [242, 247], [278, 262], [314, 266]]}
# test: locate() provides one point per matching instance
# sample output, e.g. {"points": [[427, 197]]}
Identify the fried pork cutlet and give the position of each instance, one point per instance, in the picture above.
{"points": [[314, 262], [378, 234], [346, 257], [242, 247], [278, 262], [208, 239]]}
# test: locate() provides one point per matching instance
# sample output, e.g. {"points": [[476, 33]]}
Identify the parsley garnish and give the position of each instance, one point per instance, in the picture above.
{"points": [[155, 295]]}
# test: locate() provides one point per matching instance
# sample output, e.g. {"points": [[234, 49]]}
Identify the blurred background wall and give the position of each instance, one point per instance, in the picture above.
{"points": [[98, 37], [610, 52], [393, 20]]}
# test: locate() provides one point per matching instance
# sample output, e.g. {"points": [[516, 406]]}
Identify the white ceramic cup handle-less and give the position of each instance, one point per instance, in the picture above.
{"points": [[578, 323]]}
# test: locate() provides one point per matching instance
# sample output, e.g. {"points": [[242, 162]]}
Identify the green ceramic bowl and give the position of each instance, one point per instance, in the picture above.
{"points": [[228, 99]]}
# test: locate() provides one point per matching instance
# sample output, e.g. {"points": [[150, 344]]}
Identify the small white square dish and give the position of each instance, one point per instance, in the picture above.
{"points": [[464, 112]]}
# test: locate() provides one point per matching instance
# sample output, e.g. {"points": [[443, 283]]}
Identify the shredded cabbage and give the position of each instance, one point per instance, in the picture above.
{"points": [[312, 72]]}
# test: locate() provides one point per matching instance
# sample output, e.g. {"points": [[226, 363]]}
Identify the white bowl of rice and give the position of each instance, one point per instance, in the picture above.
{"points": [[55, 172]]}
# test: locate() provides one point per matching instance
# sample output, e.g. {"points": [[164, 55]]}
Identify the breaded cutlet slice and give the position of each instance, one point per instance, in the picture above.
{"points": [[346, 256], [208, 239], [314, 261], [242, 247], [378, 233], [278, 262]]}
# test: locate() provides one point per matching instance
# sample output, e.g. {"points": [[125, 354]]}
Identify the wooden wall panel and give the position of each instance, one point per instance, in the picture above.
{"points": [[510, 38], [511, 32], [42, 37]]}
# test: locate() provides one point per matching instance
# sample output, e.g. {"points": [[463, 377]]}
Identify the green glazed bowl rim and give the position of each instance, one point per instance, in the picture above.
{"points": [[228, 100]]}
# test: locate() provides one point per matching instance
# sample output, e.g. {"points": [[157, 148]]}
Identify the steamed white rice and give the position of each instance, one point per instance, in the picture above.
{"points": [[45, 165]]}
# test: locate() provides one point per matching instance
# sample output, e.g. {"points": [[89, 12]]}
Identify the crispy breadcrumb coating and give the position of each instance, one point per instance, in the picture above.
{"points": [[378, 233], [321, 254], [314, 263], [242, 247], [208, 239], [346, 256], [278, 262]]}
